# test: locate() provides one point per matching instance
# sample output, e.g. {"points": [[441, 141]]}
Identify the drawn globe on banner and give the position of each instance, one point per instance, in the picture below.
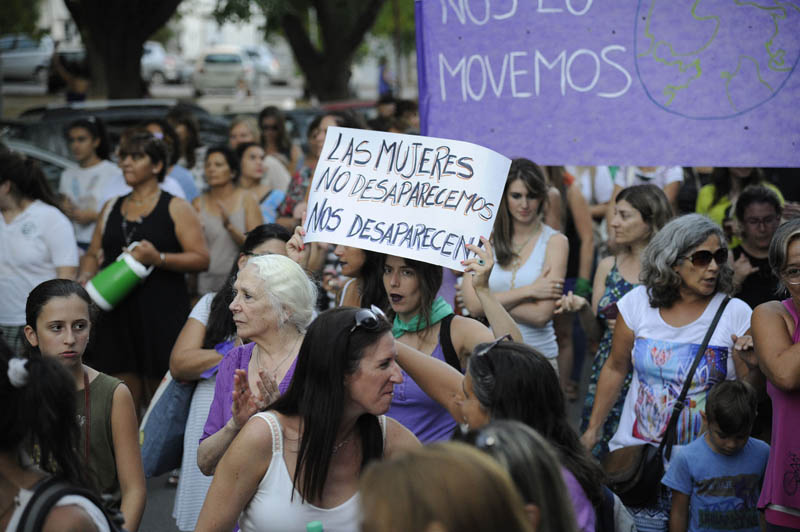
{"points": [[713, 59]]}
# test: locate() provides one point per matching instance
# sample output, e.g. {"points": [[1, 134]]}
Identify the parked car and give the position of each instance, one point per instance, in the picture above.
{"points": [[44, 126], [51, 163], [24, 58], [159, 67], [223, 67], [267, 67]]}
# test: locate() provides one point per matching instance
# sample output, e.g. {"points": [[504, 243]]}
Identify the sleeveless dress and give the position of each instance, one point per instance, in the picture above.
{"points": [[222, 249], [540, 338], [138, 335], [274, 508], [616, 287], [780, 495]]}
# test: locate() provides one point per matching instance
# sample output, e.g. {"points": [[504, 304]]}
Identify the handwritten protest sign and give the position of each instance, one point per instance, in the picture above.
{"points": [[647, 82], [417, 197]]}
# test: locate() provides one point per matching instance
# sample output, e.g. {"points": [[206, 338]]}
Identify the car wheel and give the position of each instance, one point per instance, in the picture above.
{"points": [[158, 78], [40, 76]]}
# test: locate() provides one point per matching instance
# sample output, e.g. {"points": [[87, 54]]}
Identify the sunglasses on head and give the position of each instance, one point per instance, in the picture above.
{"points": [[369, 319], [491, 345], [703, 257]]}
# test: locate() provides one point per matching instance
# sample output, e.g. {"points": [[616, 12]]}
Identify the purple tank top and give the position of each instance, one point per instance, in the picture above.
{"points": [[420, 414], [782, 477]]}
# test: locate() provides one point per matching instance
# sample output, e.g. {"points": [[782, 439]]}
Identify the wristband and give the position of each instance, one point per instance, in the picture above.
{"points": [[582, 288]]}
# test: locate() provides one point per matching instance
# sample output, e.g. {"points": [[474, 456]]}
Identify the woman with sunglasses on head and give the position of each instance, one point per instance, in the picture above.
{"points": [[300, 461], [83, 187], [660, 325], [134, 339], [510, 380], [208, 335], [639, 213], [532, 259], [427, 323], [227, 212], [272, 307], [59, 322], [777, 339]]}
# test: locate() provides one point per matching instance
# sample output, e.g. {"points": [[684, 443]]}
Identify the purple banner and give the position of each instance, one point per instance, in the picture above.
{"points": [[590, 82]]}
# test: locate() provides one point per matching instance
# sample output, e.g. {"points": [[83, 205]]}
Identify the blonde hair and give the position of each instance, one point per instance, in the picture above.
{"points": [[451, 484], [290, 291], [251, 123]]}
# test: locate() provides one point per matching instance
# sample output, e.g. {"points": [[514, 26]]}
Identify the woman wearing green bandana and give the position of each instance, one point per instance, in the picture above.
{"points": [[427, 323]]}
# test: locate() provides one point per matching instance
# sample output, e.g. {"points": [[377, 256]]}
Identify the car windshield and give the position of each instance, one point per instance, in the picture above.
{"points": [[223, 58]]}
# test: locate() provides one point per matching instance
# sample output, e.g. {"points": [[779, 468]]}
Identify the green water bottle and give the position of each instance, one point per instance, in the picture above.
{"points": [[314, 526]]}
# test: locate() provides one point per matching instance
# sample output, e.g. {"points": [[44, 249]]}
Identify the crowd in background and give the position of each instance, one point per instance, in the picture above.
{"points": [[330, 379]]}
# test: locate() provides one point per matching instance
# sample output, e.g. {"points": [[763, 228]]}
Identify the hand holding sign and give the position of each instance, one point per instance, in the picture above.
{"points": [[480, 267]]}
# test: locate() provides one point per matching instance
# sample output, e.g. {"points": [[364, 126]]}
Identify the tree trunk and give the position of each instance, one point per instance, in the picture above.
{"points": [[113, 33], [343, 25]]}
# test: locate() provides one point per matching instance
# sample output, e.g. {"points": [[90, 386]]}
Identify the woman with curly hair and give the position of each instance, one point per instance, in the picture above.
{"points": [[686, 277]]}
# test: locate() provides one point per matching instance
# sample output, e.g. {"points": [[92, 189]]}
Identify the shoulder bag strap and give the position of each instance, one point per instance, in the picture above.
{"points": [[668, 440]]}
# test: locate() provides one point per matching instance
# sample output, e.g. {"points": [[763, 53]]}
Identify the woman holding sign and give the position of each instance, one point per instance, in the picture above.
{"points": [[532, 260], [427, 323]]}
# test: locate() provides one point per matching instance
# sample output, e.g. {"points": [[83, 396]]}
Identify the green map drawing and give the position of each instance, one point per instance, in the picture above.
{"points": [[716, 58]]}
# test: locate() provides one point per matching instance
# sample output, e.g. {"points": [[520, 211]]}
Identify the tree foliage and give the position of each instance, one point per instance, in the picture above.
{"points": [[19, 16], [396, 22]]}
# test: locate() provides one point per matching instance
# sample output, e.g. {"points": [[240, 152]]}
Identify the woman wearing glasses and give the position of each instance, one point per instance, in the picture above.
{"points": [[660, 325], [301, 460], [777, 338], [426, 323]]}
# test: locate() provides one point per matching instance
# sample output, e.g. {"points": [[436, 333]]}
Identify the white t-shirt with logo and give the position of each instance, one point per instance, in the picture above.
{"points": [[85, 187], [662, 356], [32, 246]]}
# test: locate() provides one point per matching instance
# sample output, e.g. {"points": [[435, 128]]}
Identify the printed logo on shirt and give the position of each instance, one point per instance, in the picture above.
{"points": [[28, 229]]}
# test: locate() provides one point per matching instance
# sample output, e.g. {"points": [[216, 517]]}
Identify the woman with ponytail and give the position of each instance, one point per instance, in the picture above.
{"points": [[37, 416], [37, 241], [59, 322]]}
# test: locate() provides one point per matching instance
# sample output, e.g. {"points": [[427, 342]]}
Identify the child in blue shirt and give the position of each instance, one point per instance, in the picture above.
{"points": [[716, 479]]}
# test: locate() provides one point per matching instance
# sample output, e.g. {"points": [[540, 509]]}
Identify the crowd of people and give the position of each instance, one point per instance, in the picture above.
{"points": [[380, 393]]}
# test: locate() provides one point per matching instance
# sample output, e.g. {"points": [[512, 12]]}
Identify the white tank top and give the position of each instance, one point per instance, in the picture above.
{"points": [[541, 338], [273, 507]]}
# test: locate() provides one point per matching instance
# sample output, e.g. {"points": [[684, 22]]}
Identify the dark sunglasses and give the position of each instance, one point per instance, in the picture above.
{"points": [[369, 319], [703, 257], [491, 345]]}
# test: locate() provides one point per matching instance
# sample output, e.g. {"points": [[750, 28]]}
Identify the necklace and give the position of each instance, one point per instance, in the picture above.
{"points": [[129, 227], [341, 444], [279, 364], [516, 262]]}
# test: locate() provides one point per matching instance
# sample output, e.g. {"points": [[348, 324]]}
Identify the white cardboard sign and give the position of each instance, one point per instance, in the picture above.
{"points": [[417, 197]]}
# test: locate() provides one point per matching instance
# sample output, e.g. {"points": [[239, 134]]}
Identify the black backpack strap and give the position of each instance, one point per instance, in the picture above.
{"points": [[46, 493], [450, 355]]}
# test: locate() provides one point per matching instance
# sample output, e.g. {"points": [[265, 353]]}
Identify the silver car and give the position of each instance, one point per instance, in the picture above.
{"points": [[223, 67], [23, 58]]}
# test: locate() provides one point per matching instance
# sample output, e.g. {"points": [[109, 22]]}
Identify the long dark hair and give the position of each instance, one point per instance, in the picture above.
{"points": [[282, 139], [515, 381], [26, 177], [177, 116], [721, 179], [170, 138], [220, 324], [41, 417], [317, 394], [97, 130], [372, 290], [503, 232]]}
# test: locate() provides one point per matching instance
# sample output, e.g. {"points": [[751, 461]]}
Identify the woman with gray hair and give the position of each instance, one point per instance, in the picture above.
{"points": [[777, 338], [272, 307], [685, 276]]}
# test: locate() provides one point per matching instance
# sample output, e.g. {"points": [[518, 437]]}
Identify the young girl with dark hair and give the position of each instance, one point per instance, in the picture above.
{"points": [[300, 461], [37, 241], [33, 391], [364, 269], [83, 187], [59, 322]]}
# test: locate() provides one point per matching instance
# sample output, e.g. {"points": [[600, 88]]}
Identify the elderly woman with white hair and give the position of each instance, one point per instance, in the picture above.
{"points": [[272, 307], [661, 324]]}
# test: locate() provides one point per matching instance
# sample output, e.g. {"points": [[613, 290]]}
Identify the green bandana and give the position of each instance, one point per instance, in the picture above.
{"points": [[439, 310]]}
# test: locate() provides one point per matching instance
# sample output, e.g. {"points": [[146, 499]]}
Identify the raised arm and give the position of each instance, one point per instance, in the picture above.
{"points": [[439, 380], [778, 358], [237, 477], [610, 381]]}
